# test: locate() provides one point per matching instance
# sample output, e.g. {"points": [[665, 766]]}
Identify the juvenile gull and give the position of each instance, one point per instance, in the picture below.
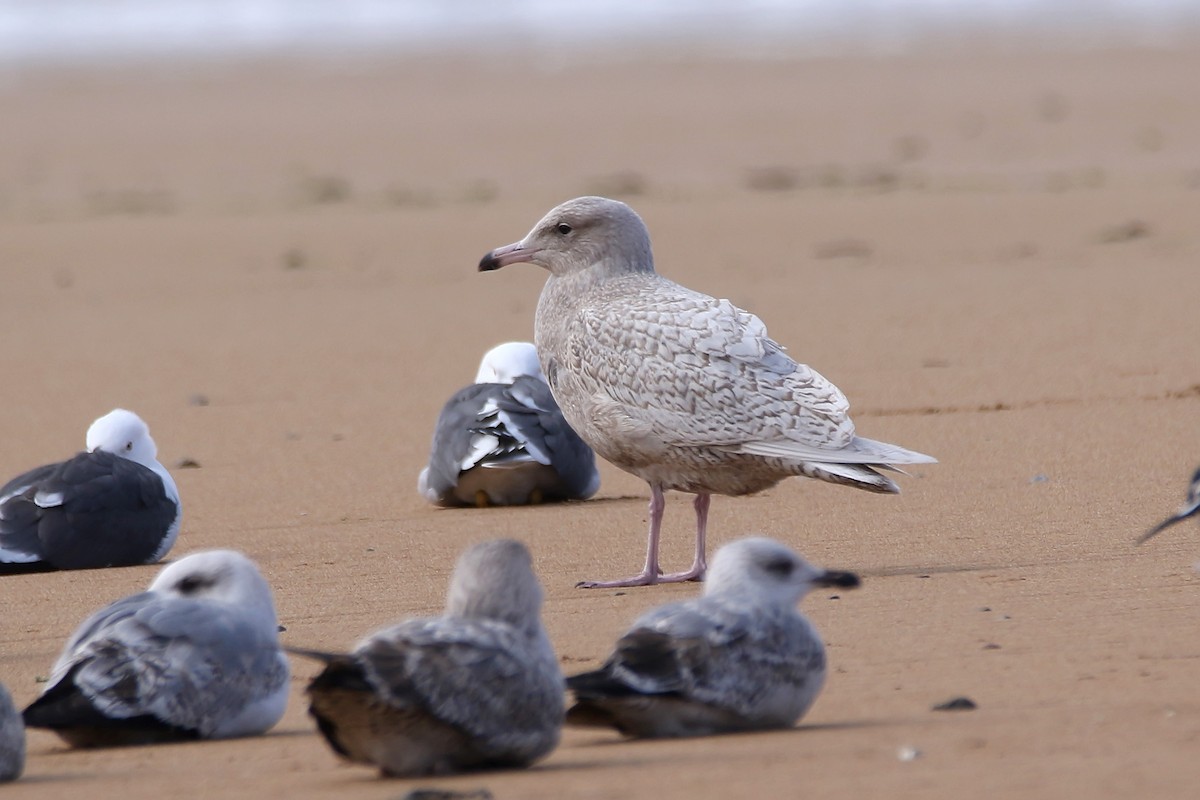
{"points": [[12, 739], [196, 656], [1190, 508], [476, 687], [681, 389], [741, 657], [503, 441], [112, 505]]}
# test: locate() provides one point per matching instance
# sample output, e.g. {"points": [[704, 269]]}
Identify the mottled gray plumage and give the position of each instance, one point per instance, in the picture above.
{"points": [[1190, 508], [197, 655], [503, 440], [12, 739], [476, 687], [685, 391], [741, 657]]}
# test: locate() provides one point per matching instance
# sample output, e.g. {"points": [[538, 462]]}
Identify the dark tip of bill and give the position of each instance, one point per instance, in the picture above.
{"points": [[487, 263], [842, 580]]}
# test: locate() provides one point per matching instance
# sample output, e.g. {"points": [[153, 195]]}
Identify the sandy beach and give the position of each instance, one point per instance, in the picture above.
{"points": [[994, 255]]}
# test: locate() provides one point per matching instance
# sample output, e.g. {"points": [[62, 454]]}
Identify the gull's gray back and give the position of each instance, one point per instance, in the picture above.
{"points": [[761, 663], [190, 663], [502, 687]]}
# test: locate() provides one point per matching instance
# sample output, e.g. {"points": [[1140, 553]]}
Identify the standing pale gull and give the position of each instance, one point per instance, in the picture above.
{"points": [[503, 441], [741, 657], [1189, 509], [112, 505], [681, 389], [476, 687], [196, 656], [12, 739]]}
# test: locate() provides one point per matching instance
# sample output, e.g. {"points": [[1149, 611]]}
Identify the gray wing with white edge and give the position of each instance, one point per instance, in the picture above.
{"points": [[190, 663], [735, 656]]}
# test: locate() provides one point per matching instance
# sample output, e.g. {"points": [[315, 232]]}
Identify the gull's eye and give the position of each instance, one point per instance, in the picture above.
{"points": [[128, 446], [780, 567], [563, 228], [193, 583]]}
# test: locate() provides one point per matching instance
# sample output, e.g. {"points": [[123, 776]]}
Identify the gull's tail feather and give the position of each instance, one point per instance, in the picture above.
{"points": [[882, 453], [859, 476], [859, 451]]}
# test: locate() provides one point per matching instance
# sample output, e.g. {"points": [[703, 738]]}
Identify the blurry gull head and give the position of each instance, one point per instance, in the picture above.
{"points": [[495, 580], [221, 576], [770, 572]]}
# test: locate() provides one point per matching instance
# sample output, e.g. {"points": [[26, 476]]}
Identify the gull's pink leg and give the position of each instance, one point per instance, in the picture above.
{"points": [[700, 564], [650, 572]]}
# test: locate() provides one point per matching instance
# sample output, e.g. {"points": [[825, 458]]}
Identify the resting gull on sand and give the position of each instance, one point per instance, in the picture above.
{"points": [[12, 739], [196, 656], [1189, 509], [476, 687], [112, 505], [738, 658], [681, 389], [502, 440]]}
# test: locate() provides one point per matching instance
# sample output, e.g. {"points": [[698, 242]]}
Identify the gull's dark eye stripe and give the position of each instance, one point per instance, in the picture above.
{"points": [[194, 583], [780, 567]]}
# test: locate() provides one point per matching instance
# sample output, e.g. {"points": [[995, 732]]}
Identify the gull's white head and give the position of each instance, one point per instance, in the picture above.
{"points": [[220, 576], [123, 433], [580, 234], [506, 362], [769, 571], [495, 580]]}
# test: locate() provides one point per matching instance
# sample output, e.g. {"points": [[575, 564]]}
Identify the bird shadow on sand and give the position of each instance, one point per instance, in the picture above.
{"points": [[42, 568], [552, 504], [925, 571], [57, 778], [592, 501], [370, 776], [940, 569], [35, 568], [620, 498], [611, 739], [60, 748]]}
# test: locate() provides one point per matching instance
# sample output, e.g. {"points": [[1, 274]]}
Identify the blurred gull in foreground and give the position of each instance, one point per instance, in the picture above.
{"points": [[503, 441], [476, 687], [12, 739], [113, 505], [196, 656], [681, 389], [1189, 509], [738, 658]]}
